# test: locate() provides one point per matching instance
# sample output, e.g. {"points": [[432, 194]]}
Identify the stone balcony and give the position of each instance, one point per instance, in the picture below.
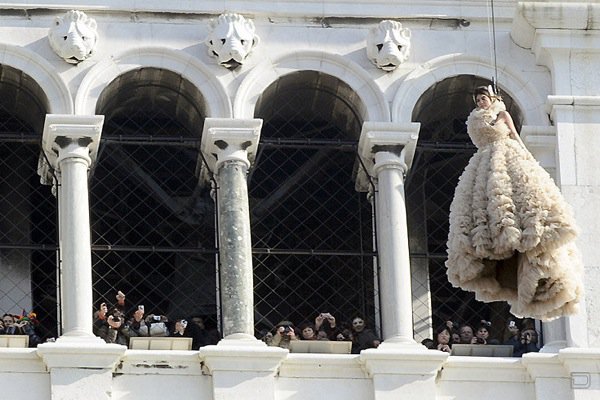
{"points": [[243, 371]]}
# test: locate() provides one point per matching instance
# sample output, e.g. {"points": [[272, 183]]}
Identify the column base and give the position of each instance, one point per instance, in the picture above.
{"points": [[396, 342], [80, 367], [241, 339], [242, 368], [403, 372], [554, 347], [80, 352]]}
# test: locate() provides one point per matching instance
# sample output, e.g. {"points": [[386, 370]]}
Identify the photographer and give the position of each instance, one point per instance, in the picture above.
{"points": [[482, 336], [528, 342], [284, 334], [326, 322], [109, 325]]}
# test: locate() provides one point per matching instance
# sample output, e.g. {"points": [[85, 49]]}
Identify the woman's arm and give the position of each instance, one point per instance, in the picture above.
{"points": [[507, 119]]}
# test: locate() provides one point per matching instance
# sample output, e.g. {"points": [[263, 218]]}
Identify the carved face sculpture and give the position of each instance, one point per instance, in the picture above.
{"points": [[73, 36], [231, 39], [388, 45]]}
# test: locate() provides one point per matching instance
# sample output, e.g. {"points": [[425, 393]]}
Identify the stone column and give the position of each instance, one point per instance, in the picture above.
{"points": [[70, 144], [386, 150], [228, 146], [80, 364]]}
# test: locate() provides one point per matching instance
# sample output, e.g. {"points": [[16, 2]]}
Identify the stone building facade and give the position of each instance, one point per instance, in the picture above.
{"points": [[386, 74]]}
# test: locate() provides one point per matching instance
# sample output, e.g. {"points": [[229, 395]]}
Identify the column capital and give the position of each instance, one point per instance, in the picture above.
{"points": [[225, 139], [67, 136], [384, 144]]}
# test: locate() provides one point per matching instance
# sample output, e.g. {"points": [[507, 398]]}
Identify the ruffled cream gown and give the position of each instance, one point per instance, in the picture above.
{"points": [[511, 232]]}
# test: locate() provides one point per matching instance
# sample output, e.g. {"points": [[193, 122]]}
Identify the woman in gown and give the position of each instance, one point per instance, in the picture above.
{"points": [[511, 232]]}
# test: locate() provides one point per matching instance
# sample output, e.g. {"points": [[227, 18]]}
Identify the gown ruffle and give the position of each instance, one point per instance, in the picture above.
{"points": [[511, 232]]}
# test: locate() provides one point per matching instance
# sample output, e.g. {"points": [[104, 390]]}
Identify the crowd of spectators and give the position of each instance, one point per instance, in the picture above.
{"points": [[119, 322], [325, 327], [521, 334]]}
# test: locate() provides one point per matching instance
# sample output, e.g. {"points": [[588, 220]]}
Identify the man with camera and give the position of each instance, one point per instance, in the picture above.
{"points": [[284, 334]]}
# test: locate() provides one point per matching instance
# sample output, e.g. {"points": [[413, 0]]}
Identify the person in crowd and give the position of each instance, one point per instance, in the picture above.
{"points": [[24, 325], [528, 342], [307, 332], [1, 327], [201, 336], [137, 322], [326, 322], [443, 339], [266, 336], [514, 335], [344, 335], [109, 325], [466, 334], [180, 328], [482, 336], [428, 343], [362, 337], [284, 334], [455, 337], [155, 325]]}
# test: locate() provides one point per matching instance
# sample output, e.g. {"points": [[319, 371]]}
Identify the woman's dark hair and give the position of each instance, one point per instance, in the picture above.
{"points": [[441, 329], [485, 90]]}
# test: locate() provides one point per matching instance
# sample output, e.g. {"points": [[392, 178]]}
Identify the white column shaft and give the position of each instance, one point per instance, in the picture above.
{"points": [[393, 253], [74, 221]]}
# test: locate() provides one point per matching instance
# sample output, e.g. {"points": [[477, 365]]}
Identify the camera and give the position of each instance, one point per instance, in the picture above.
{"points": [[116, 318], [480, 341], [287, 329], [156, 317]]}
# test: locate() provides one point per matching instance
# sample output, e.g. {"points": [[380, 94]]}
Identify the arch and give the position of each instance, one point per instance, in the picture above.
{"points": [[98, 78], [422, 78], [264, 74], [58, 96]]}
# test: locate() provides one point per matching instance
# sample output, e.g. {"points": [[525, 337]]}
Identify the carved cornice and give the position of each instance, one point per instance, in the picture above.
{"points": [[385, 144], [225, 139]]}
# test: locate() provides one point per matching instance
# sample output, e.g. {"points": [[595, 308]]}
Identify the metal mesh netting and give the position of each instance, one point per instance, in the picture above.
{"points": [[152, 225], [312, 231], [28, 244]]}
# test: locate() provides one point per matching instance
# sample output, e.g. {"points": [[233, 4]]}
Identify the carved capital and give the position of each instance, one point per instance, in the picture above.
{"points": [[73, 36], [69, 136], [231, 39], [385, 145], [226, 139], [388, 45]]}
